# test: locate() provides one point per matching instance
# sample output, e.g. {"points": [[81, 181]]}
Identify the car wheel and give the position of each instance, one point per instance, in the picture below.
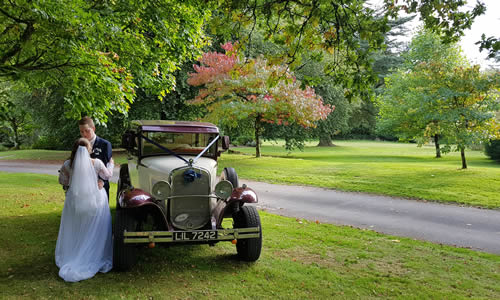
{"points": [[230, 175], [248, 249], [123, 181], [124, 255]]}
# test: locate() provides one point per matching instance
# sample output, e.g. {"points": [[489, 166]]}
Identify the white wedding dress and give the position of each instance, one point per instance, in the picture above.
{"points": [[84, 245]]}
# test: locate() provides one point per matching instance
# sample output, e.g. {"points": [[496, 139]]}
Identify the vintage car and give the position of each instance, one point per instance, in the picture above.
{"points": [[169, 192]]}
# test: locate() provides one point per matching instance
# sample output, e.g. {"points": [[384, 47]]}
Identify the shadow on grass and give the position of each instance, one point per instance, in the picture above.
{"points": [[27, 265]]}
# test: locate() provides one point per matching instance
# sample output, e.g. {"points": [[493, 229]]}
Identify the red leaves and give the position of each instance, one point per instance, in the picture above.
{"points": [[240, 90], [213, 66]]}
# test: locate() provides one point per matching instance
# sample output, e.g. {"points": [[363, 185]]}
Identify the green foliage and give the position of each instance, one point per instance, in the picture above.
{"points": [[300, 28], [362, 121], [336, 123], [492, 149], [438, 94], [491, 44], [16, 125], [98, 53], [253, 91], [448, 19]]}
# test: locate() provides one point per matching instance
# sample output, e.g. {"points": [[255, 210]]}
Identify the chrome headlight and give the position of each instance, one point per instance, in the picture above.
{"points": [[223, 189], [161, 190]]}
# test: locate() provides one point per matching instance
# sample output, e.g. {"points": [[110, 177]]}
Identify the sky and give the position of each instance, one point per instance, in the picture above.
{"points": [[488, 23]]}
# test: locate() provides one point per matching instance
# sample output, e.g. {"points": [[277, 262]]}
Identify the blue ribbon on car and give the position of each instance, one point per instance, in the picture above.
{"points": [[190, 175]]}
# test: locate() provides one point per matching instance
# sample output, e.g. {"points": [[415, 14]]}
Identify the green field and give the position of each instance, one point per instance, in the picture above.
{"points": [[385, 168], [300, 260]]}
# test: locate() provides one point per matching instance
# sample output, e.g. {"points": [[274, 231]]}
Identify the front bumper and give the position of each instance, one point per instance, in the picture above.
{"points": [[138, 237]]}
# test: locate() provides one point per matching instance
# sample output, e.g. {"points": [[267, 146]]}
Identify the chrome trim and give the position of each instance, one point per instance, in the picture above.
{"points": [[168, 236]]}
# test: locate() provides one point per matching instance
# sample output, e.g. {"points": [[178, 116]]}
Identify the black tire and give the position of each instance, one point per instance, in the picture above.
{"points": [[123, 181], [124, 255], [230, 175], [248, 249]]}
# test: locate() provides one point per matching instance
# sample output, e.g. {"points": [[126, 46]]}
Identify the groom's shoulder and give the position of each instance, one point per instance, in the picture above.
{"points": [[101, 141]]}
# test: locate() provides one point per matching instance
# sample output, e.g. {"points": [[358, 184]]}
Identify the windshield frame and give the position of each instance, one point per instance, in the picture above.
{"points": [[211, 153]]}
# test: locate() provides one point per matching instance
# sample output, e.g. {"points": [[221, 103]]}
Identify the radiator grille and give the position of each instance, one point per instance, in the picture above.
{"points": [[191, 211]]}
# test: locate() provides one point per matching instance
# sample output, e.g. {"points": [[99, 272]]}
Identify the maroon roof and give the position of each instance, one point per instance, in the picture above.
{"points": [[176, 126]]}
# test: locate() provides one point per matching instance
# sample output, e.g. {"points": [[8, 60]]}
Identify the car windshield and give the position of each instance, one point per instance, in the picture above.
{"points": [[180, 143]]}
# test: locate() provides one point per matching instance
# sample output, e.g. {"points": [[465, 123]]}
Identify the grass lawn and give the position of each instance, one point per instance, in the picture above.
{"points": [[300, 260], [386, 168]]}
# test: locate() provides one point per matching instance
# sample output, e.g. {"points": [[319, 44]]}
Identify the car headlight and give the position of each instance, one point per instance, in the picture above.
{"points": [[223, 189], [161, 190]]}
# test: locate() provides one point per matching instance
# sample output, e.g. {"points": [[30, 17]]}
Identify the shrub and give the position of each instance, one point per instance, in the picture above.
{"points": [[492, 149], [246, 141]]}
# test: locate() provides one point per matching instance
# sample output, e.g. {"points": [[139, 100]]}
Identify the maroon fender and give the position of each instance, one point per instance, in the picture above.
{"points": [[134, 198], [243, 194]]}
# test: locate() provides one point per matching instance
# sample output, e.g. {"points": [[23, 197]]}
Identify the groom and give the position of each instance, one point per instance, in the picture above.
{"points": [[101, 148]]}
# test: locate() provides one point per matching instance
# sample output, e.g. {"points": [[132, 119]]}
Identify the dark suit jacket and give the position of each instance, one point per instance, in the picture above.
{"points": [[101, 150]]}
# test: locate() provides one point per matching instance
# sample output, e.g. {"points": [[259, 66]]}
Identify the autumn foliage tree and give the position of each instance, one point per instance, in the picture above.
{"points": [[239, 90]]}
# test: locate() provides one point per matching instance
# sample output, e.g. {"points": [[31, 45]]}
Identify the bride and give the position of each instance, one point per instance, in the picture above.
{"points": [[84, 245]]}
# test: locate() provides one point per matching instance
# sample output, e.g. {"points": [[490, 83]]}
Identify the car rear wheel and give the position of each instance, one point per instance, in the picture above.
{"points": [[124, 255], [248, 249], [123, 182], [230, 175]]}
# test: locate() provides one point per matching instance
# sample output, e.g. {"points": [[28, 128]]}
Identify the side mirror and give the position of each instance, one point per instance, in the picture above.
{"points": [[225, 142], [128, 140]]}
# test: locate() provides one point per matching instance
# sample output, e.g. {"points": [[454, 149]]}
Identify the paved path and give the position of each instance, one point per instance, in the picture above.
{"points": [[473, 228]]}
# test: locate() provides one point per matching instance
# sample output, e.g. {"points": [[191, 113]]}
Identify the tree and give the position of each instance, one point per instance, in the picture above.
{"points": [[439, 94], [15, 121], [400, 114], [253, 90], [349, 30], [448, 19], [312, 73], [99, 52], [465, 103]]}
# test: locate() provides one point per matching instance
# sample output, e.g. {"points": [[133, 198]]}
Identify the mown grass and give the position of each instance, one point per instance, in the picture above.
{"points": [[386, 168], [300, 260], [395, 169]]}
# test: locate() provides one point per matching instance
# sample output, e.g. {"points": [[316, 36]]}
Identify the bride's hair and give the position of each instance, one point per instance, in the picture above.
{"points": [[79, 142]]}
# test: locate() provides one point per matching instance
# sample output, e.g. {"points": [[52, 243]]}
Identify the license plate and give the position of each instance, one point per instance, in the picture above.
{"points": [[195, 235]]}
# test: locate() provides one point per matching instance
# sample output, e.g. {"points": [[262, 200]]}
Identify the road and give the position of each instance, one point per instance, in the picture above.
{"points": [[473, 228]]}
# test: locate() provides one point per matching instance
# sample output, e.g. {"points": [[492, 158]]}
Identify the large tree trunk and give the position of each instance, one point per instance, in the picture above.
{"points": [[257, 135], [325, 141], [462, 154], [436, 143]]}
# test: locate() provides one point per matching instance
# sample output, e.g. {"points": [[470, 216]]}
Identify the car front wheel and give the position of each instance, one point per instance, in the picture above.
{"points": [[124, 255], [248, 249]]}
